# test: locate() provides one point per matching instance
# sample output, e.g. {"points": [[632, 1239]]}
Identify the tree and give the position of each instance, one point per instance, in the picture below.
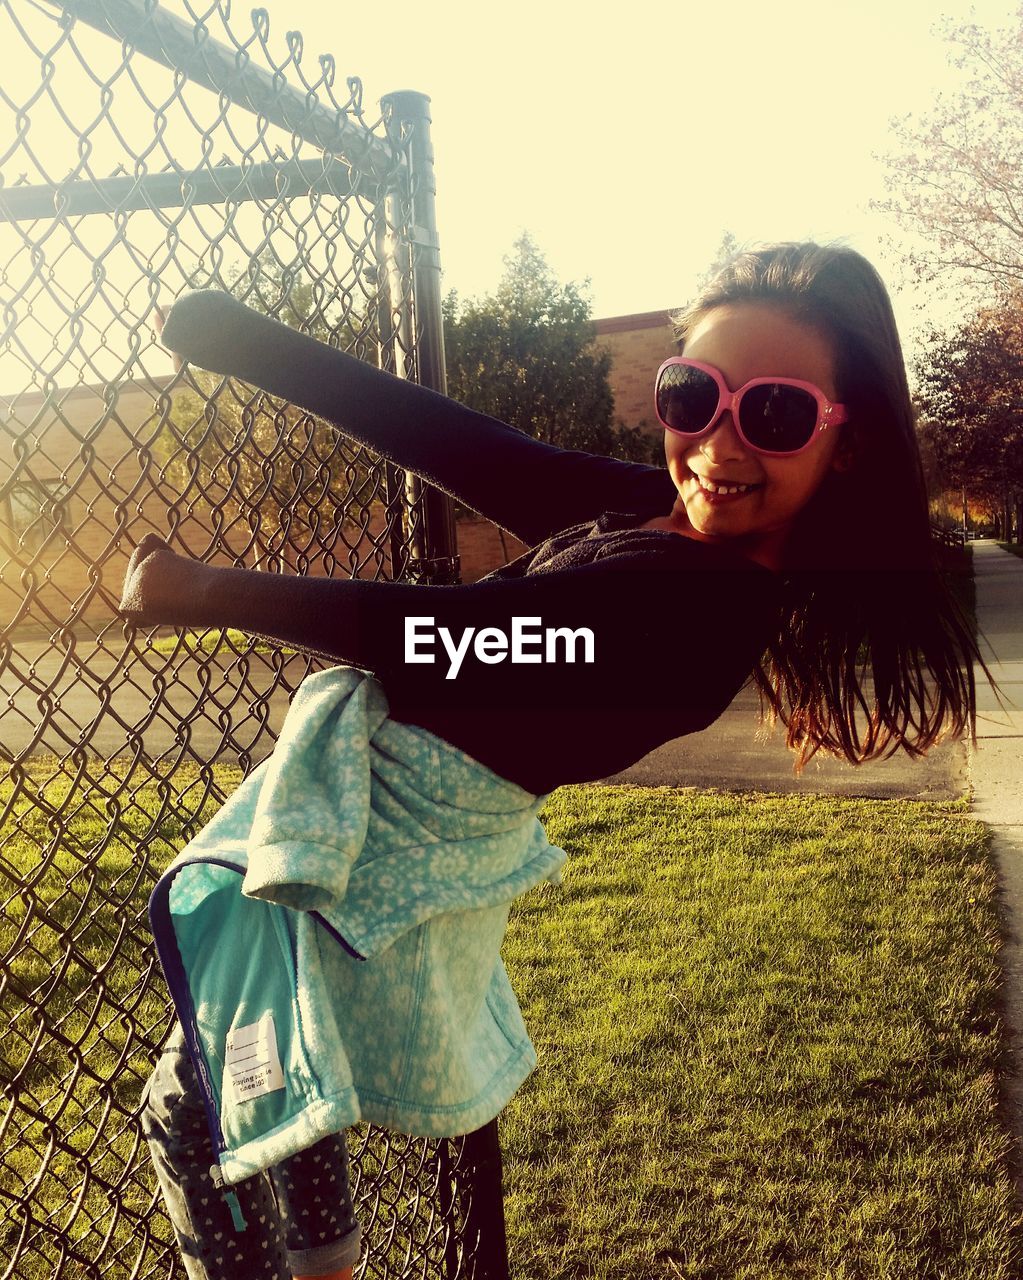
{"points": [[526, 355], [971, 401], [957, 183]]}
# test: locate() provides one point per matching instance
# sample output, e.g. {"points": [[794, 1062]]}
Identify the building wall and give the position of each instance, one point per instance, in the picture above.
{"points": [[79, 464], [638, 344]]}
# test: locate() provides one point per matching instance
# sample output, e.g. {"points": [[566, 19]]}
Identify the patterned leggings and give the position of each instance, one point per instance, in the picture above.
{"points": [[299, 1219]]}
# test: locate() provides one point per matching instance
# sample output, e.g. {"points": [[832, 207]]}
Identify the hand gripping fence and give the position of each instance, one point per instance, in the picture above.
{"points": [[142, 154]]}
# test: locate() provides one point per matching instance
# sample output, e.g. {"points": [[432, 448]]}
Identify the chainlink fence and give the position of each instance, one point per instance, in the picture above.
{"points": [[146, 149]]}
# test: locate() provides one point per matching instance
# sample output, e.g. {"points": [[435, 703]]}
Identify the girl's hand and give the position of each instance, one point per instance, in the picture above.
{"points": [[160, 586]]}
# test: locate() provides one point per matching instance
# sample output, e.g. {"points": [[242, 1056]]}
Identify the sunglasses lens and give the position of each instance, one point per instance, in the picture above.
{"points": [[777, 418], [687, 399]]}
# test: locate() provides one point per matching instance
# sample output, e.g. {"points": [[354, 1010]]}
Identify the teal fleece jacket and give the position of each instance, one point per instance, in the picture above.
{"points": [[331, 938]]}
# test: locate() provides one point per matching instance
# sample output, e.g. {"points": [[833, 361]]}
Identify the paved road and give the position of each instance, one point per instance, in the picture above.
{"points": [[106, 699]]}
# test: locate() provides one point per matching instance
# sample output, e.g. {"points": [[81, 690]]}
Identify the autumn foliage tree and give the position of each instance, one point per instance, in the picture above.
{"points": [[971, 409]]}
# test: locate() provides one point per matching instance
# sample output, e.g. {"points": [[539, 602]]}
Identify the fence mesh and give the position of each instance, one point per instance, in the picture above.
{"points": [[145, 150]]}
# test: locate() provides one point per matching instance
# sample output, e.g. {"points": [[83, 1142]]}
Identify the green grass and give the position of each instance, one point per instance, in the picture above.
{"points": [[1015, 547], [769, 1042], [82, 1005], [213, 640], [768, 1031]]}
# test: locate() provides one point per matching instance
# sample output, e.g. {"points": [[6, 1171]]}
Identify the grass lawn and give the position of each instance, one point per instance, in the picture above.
{"points": [[768, 1031], [1015, 547], [81, 1007]]}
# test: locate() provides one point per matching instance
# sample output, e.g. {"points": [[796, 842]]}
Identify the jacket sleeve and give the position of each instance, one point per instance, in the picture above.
{"points": [[530, 488]]}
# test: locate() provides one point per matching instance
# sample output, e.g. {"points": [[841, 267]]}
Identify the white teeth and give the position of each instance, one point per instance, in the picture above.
{"points": [[711, 487]]}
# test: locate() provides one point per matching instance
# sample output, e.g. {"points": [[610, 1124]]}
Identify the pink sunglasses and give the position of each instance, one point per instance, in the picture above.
{"points": [[779, 416]]}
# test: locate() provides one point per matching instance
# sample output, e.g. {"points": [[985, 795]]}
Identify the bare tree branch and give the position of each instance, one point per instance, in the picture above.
{"points": [[956, 181]]}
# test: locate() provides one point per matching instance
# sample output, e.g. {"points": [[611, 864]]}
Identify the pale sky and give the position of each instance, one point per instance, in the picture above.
{"points": [[628, 142], [627, 145]]}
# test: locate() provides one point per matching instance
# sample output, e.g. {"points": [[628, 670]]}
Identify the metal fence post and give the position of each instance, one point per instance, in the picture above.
{"points": [[432, 541], [483, 1231]]}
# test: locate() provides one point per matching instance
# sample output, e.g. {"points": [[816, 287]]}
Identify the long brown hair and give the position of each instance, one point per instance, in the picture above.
{"points": [[865, 599]]}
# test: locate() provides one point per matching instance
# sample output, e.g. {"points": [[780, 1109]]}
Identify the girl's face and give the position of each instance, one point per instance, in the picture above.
{"points": [[752, 340]]}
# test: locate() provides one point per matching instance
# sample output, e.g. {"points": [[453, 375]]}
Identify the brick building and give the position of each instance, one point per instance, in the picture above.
{"points": [[638, 344], [78, 460]]}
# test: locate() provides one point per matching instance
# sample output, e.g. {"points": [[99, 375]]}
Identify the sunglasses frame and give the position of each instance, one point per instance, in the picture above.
{"points": [[828, 414]]}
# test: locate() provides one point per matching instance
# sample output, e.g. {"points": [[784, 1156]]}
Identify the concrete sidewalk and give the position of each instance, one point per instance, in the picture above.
{"points": [[996, 776]]}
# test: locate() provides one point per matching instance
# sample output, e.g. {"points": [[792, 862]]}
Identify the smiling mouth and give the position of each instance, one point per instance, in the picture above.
{"points": [[720, 489]]}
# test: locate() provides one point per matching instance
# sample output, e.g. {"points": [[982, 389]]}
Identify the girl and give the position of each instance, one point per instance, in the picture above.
{"points": [[787, 539]]}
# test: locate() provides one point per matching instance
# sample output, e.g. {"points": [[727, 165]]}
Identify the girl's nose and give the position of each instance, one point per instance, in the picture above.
{"points": [[724, 442]]}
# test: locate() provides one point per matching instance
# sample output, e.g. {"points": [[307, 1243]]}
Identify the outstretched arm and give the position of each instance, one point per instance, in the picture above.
{"points": [[363, 623], [530, 488]]}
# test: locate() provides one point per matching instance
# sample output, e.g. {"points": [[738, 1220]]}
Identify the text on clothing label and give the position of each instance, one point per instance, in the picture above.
{"points": [[252, 1061], [527, 643]]}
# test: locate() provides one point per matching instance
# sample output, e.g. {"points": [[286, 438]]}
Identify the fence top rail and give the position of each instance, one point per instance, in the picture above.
{"points": [[178, 188], [190, 49]]}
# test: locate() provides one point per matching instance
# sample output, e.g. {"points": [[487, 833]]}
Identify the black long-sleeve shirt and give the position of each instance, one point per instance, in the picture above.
{"points": [[676, 625]]}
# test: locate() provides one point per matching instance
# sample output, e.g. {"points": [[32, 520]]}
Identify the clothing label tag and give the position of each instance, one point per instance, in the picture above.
{"points": [[252, 1061]]}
